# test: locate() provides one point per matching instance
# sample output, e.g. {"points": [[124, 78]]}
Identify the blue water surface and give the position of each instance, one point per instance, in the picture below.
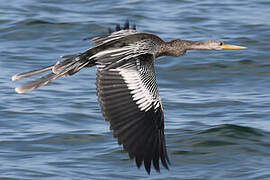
{"points": [[216, 103]]}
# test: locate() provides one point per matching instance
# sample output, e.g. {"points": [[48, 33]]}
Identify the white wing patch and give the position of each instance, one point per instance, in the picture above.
{"points": [[129, 51], [113, 52], [137, 73], [114, 36], [144, 98]]}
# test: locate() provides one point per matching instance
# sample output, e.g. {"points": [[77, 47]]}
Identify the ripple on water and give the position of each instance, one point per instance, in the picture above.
{"points": [[216, 103]]}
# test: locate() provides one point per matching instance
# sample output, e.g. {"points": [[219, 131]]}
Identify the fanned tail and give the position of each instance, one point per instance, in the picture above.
{"points": [[67, 67]]}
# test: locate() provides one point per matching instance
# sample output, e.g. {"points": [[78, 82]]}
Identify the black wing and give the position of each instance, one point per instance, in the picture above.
{"points": [[130, 101]]}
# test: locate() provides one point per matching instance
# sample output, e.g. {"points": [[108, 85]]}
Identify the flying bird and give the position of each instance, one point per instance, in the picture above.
{"points": [[126, 86]]}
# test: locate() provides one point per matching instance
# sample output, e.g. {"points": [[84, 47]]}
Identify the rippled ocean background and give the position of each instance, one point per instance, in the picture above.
{"points": [[216, 103]]}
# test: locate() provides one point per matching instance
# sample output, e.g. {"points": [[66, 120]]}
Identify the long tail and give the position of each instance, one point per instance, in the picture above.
{"points": [[67, 67]]}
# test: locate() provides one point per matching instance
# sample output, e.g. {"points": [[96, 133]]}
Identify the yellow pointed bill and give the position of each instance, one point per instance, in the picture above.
{"points": [[229, 46]]}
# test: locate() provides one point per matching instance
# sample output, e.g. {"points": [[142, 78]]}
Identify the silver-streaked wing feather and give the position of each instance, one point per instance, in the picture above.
{"points": [[130, 101], [98, 41]]}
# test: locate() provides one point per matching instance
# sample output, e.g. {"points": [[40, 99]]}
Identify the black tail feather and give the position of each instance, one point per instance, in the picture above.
{"points": [[110, 30], [134, 26], [126, 26], [117, 28]]}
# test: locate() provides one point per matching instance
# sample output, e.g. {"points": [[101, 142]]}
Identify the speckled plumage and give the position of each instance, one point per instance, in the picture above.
{"points": [[126, 86]]}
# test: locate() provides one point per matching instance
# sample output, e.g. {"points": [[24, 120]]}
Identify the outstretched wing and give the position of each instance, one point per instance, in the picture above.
{"points": [[127, 92]]}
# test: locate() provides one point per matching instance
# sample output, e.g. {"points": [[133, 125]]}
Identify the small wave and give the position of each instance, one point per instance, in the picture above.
{"points": [[231, 130], [246, 61], [34, 22], [210, 66], [228, 136]]}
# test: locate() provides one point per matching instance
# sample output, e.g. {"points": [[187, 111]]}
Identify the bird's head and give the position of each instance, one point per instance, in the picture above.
{"points": [[179, 47], [217, 45]]}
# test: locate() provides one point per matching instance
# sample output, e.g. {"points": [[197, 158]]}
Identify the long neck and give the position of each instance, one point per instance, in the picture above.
{"points": [[179, 47]]}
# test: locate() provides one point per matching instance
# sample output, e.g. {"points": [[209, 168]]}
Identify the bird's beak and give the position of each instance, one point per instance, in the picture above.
{"points": [[229, 46]]}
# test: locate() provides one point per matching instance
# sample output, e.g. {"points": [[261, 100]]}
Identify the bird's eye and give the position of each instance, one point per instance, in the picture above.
{"points": [[221, 43]]}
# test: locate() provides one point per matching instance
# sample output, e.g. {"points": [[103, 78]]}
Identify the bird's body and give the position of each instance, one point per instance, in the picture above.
{"points": [[126, 86]]}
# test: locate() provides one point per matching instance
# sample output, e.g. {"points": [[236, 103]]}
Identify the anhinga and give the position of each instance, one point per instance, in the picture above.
{"points": [[126, 86]]}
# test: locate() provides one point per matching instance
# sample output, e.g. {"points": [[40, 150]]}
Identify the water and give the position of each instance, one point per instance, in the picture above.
{"points": [[217, 103]]}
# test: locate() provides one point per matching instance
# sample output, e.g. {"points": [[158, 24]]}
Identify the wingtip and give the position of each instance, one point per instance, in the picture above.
{"points": [[148, 171]]}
